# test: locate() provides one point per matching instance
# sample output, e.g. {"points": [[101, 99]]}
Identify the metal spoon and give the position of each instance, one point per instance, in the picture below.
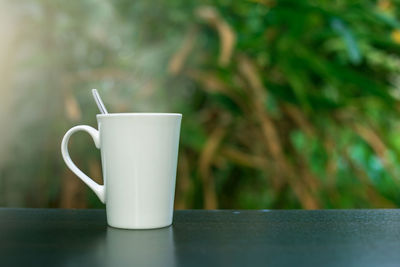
{"points": [[99, 103]]}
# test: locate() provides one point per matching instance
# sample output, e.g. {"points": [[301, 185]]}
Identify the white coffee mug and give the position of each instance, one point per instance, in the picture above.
{"points": [[139, 153]]}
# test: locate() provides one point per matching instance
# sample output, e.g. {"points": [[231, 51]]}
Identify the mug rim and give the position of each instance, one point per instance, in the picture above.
{"points": [[108, 115]]}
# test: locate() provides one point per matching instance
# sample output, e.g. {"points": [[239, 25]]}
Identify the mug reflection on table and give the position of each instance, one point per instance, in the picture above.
{"points": [[140, 247]]}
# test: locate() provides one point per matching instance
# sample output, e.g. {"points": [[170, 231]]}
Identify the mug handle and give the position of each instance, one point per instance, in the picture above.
{"points": [[97, 188]]}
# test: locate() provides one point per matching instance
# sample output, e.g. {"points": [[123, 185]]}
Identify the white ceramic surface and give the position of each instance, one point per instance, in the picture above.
{"points": [[139, 153]]}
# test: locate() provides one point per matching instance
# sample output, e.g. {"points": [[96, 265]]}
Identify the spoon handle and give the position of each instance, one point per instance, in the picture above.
{"points": [[99, 103]]}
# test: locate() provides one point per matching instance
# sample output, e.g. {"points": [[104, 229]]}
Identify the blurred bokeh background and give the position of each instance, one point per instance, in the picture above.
{"points": [[286, 104]]}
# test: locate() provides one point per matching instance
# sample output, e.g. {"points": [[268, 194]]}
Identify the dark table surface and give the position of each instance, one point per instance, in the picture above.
{"points": [[47, 237]]}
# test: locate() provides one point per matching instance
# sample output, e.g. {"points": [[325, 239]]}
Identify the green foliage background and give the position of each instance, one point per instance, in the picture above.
{"points": [[286, 104]]}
